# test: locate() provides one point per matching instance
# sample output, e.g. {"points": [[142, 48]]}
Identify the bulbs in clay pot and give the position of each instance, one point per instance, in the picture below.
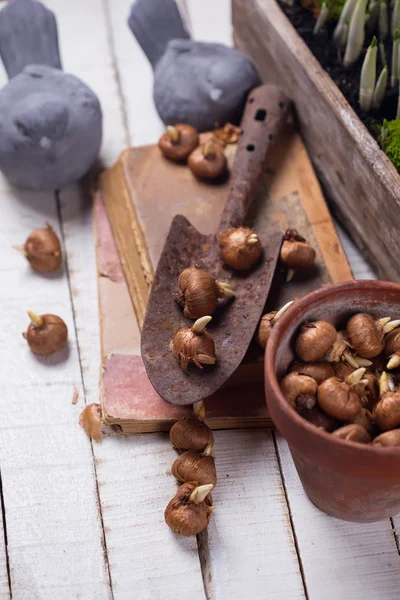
{"points": [[194, 345], [367, 335], [317, 417], [353, 433], [42, 249], [90, 420], [191, 434], [198, 293], [338, 398], [178, 142], [241, 248], [319, 371], [266, 324], [191, 465], [296, 252], [365, 419], [392, 349], [299, 390], [388, 439], [189, 512], [46, 334], [314, 340], [387, 411], [208, 161]]}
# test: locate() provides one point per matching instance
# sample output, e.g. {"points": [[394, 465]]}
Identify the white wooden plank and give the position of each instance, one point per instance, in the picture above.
{"points": [[134, 489], [4, 585], [340, 560], [53, 525], [210, 21], [250, 542]]}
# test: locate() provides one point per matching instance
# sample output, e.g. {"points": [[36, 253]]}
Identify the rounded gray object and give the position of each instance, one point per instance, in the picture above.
{"points": [[50, 128], [202, 84]]}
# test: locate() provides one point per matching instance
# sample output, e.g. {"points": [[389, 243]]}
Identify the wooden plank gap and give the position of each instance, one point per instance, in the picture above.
{"points": [[205, 561], [116, 71], [97, 492], [395, 534], [296, 544], [3, 516]]}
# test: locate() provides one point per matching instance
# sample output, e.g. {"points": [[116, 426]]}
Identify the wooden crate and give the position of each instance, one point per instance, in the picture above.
{"points": [[357, 176], [141, 193]]}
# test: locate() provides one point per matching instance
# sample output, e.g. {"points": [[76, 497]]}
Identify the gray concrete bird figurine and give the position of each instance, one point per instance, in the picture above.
{"points": [[199, 83], [50, 121]]}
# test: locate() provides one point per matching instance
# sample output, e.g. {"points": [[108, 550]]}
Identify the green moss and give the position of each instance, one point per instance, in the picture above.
{"points": [[390, 141]]}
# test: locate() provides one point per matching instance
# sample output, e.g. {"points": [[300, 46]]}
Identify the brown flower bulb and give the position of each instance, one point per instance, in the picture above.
{"points": [[392, 348], [365, 419], [387, 411], [338, 398], [267, 322], [367, 335], [371, 390], [319, 371], [228, 134], [317, 417], [353, 433], [314, 340], [191, 466], [178, 142], [198, 293], [192, 434], [208, 161], [189, 512], [299, 390], [90, 420], [42, 249], [46, 334], [296, 252], [342, 370], [194, 345], [240, 247], [388, 439]]}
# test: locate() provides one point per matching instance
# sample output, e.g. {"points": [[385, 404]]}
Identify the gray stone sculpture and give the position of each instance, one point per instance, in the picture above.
{"points": [[194, 82], [50, 122]]}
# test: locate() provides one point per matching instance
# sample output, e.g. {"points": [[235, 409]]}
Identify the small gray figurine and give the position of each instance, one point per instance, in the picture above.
{"points": [[50, 122], [194, 82]]}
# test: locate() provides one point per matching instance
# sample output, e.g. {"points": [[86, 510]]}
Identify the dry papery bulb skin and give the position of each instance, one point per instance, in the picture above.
{"points": [[194, 345], [299, 390], [198, 293], [191, 434], [178, 142], [296, 252], [241, 248], [314, 340], [365, 419], [46, 334], [367, 335], [319, 371], [190, 510], [371, 390], [42, 249], [208, 161], [317, 417], [353, 433], [392, 349], [338, 399], [267, 322], [388, 439], [191, 465], [342, 370], [387, 411], [228, 134], [90, 420]]}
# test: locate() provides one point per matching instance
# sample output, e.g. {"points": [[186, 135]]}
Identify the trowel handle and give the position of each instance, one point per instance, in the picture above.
{"points": [[265, 113]]}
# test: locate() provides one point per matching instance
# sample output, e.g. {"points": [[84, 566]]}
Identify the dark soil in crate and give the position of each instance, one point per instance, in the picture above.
{"points": [[347, 79]]}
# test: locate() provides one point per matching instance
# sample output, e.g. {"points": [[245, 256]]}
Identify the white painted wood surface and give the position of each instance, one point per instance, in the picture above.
{"points": [[54, 524]]}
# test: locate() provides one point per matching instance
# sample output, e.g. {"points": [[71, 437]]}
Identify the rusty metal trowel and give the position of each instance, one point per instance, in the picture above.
{"points": [[233, 325]]}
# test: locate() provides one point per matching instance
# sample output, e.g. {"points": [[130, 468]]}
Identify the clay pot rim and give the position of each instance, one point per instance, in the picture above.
{"points": [[318, 297]]}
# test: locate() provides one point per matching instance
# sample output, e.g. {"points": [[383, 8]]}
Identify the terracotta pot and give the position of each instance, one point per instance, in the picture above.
{"points": [[355, 482]]}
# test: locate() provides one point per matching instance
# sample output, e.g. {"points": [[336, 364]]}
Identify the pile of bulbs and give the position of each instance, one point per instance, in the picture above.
{"points": [[199, 293], [190, 510], [346, 382]]}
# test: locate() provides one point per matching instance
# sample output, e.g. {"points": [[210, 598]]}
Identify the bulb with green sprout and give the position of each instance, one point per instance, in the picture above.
{"points": [[368, 76], [380, 88], [322, 18], [356, 36], [341, 29], [383, 21], [382, 54], [372, 15], [394, 77], [395, 21]]}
